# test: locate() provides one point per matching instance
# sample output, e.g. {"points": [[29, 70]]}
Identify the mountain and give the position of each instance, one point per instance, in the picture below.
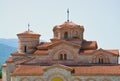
{"points": [[5, 52], [7, 46], [9, 42]]}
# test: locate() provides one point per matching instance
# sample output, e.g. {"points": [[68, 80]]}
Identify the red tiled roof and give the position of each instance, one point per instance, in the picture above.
{"points": [[9, 60], [66, 42], [113, 51], [0, 79], [86, 51], [59, 65], [28, 70], [28, 33], [44, 45], [78, 70], [97, 70], [89, 45], [41, 52], [68, 25], [17, 54], [22, 59]]}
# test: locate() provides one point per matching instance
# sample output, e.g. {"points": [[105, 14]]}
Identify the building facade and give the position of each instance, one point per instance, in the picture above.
{"points": [[68, 57]]}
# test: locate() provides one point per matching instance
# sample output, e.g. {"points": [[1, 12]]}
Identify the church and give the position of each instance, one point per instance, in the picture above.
{"points": [[67, 57]]}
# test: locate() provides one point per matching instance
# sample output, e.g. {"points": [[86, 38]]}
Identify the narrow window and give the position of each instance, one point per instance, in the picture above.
{"points": [[61, 56], [101, 60], [65, 57], [66, 35], [25, 49]]}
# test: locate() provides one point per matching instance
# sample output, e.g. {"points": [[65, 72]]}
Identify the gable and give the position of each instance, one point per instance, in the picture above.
{"points": [[107, 52], [65, 43], [59, 66], [56, 51]]}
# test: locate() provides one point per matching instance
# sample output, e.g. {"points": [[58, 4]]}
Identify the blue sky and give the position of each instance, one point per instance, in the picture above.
{"points": [[101, 18]]}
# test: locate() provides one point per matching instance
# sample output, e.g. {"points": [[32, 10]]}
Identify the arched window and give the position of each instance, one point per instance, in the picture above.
{"points": [[63, 56], [101, 60], [25, 49], [75, 34], [66, 35]]}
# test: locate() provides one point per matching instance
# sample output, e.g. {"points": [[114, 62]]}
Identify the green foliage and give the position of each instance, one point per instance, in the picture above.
{"points": [[1, 72]]}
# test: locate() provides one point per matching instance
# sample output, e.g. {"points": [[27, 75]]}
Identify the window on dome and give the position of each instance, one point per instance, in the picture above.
{"points": [[75, 34], [66, 35]]}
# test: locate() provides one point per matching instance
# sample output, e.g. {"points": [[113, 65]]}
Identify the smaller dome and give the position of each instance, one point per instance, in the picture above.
{"points": [[28, 33]]}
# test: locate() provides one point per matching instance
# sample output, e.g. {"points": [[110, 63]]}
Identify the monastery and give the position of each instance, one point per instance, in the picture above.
{"points": [[67, 57]]}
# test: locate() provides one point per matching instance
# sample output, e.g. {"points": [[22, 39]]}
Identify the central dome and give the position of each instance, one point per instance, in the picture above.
{"points": [[68, 25], [68, 31]]}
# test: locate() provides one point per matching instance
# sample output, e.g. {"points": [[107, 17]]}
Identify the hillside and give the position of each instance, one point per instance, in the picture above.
{"points": [[5, 51], [7, 46], [9, 42]]}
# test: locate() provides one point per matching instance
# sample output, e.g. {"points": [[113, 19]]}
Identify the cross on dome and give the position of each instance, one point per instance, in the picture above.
{"points": [[68, 15], [28, 27]]}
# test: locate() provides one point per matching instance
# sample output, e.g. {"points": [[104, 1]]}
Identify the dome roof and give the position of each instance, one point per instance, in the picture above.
{"points": [[67, 25], [28, 33]]}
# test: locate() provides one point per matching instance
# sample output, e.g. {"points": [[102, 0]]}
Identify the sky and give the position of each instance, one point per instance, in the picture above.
{"points": [[100, 18]]}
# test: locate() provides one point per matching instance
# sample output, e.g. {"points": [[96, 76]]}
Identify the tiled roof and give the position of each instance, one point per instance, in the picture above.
{"points": [[78, 70], [97, 70], [21, 59], [28, 70], [0, 79], [65, 42], [9, 60], [17, 54], [89, 45], [68, 25], [86, 51], [41, 52], [59, 65], [44, 45], [28, 33], [115, 52]]}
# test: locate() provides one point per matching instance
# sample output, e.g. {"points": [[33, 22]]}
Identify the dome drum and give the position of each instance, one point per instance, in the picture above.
{"points": [[68, 30], [27, 42]]}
